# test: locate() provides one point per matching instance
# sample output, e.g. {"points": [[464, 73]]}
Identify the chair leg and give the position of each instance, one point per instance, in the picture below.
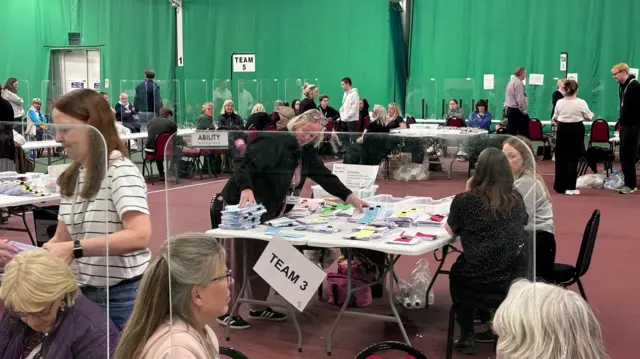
{"points": [[151, 171], [584, 295], [450, 331]]}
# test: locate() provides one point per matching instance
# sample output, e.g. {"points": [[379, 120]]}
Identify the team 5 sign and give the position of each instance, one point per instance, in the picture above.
{"points": [[243, 62], [289, 272]]}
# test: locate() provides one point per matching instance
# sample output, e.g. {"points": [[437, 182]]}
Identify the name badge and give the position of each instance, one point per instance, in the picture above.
{"points": [[292, 200]]}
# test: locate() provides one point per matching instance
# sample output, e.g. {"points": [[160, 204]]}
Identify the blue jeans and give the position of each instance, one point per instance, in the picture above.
{"points": [[122, 297]]}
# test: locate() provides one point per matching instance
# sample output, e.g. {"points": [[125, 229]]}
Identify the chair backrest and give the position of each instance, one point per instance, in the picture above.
{"points": [[270, 127], [617, 126], [454, 122], [161, 149], [410, 121], [535, 129], [232, 353], [599, 131], [329, 126], [253, 133], [370, 351], [588, 242]]}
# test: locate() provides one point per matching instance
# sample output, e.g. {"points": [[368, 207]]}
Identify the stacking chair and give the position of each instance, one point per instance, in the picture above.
{"points": [[454, 122], [599, 132], [370, 351], [158, 154], [226, 352]]}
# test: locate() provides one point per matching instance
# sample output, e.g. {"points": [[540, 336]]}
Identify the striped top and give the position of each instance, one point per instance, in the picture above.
{"points": [[122, 190]]}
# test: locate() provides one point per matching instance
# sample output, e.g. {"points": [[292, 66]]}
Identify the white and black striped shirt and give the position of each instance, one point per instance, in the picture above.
{"points": [[122, 190]]}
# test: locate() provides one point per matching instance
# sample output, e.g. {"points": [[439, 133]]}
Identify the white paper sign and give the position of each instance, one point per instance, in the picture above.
{"points": [[536, 79], [289, 272], [633, 72], [563, 62], [573, 76], [55, 171], [106, 83], [356, 176], [208, 139], [243, 62], [489, 81]]}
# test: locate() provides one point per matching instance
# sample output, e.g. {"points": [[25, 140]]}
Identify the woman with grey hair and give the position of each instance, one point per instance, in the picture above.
{"points": [[539, 320]]}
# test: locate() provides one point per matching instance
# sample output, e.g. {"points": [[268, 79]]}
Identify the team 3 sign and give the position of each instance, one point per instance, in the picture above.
{"points": [[289, 272], [243, 62]]}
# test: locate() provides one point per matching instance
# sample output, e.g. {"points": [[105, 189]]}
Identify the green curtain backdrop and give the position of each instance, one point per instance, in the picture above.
{"points": [[294, 41], [456, 42], [136, 34], [400, 52]]}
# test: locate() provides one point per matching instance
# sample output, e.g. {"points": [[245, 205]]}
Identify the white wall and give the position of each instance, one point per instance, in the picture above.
{"points": [[81, 69]]}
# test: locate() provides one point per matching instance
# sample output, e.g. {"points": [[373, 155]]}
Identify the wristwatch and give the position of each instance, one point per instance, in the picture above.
{"points": [[77, 249]]}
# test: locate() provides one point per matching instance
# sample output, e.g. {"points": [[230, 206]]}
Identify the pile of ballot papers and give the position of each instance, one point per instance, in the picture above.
{"points": [[238, 218]]}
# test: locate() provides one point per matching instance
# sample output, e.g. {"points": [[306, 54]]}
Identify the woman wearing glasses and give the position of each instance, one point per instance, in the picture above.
{"points": [[45, 314], [185, 288], [273, 172]]}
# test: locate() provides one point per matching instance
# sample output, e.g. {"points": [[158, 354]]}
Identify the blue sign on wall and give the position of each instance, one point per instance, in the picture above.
{"points": [[96, 86], [77, 85]]}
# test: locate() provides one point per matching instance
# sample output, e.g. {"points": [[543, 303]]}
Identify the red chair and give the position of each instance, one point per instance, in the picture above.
{"points": [[599, 132], [454, 122], [410, 121], [618, 126], [253, 133], [159, 153], [271, 127], [535, 131]]}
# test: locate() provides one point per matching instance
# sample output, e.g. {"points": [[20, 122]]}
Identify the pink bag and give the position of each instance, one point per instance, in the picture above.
{"points": [[337, 291]]}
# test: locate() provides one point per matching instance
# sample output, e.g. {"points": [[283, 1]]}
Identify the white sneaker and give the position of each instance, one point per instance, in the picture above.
{"points": [[461, 154], [574, 192], [430, 149]]}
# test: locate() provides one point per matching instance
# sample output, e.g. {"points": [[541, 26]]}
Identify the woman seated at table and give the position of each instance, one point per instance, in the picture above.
{"points": [[371, 147], [45, 316], [537, 200], [480, 118], [229, 120], [539, 320], [205, 120], [489, 218], [454, 110], [187, 282], [274, 169]]}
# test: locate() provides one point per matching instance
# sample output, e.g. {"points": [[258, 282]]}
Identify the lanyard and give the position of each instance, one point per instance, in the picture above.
{"points": [[625, 92], [34, 352]]}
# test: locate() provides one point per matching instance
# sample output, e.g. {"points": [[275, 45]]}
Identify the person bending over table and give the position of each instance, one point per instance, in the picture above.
{"points": [[275, 167], [91, 197], [537, 199], [489, 218], [194, 264], [46, 316]]}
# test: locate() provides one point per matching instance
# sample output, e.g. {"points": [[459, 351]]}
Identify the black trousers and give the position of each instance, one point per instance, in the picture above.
{"points": [[545, 255], [348, 132], [517, 122], [569, 148], [628, 153]]}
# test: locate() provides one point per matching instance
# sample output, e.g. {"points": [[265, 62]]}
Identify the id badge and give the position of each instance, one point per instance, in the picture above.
{"points": [[292, 200]]}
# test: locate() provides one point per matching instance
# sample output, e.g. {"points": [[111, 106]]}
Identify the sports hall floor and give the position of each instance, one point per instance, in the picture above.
{"points": [[612, 273]]}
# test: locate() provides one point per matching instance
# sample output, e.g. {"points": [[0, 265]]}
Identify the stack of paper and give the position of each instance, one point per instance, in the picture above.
{"points": [[405, 218], [370, 214], [318, 229], [431, 220], [238, 218]]}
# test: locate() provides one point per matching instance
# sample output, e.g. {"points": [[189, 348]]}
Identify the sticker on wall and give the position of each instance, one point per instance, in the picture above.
{"points": [[489, 81], [106, 83], [536, 79], [633, 72], [96, 86], [572, 76], [77, 84]]}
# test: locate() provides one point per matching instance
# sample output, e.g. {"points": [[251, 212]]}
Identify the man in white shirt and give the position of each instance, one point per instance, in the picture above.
{"points": [[516, 104], [349, 111]]}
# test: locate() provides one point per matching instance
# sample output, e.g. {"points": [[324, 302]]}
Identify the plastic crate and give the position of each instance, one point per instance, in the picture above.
{"points": [[417, 201], [385, 198], [319, 192]]}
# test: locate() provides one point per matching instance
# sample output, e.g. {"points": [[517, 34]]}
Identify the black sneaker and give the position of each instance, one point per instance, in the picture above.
{"points": [[267, 314], [485, 337], [235, 323]]}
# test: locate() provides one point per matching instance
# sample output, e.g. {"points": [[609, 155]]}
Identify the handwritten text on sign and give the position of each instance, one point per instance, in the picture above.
{"points": [[356, 176], [243, 62], [209, 139], [289, 272]]}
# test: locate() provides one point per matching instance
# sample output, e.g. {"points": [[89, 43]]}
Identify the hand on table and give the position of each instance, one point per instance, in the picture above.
{"points": [[6, 252], [359, 140], [357, 202], [246, 198], [63, 250]]}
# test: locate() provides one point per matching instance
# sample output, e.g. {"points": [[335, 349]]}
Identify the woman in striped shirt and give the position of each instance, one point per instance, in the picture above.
{"points": [[103, 223]]}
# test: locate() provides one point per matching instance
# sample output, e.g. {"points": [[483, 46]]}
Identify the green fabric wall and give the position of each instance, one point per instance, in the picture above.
{"points": [[292, 39], [136, 34], [453, 40]]}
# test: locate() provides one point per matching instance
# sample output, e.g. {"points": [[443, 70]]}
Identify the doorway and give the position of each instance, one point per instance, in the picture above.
{"points": [[72, 69]]}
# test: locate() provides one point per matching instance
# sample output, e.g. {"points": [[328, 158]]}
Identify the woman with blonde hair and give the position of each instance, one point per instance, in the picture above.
{"points": [[309, 94], [185, 288], [103, 194], [539, 320], [45, 316], [272, 172], [395, 116], [205, 120], [258, 108]]}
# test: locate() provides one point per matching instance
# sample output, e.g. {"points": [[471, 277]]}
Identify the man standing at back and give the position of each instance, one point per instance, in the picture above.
{"points": [[629, 93], [349, 111], [147, 100], [516, 103]]}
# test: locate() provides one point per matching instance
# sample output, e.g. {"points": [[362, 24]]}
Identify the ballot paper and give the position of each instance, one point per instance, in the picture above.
{"points": [[241, 218]]}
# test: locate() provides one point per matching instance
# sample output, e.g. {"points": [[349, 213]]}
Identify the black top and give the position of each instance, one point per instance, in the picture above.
{"points": [[122, 115], [204, 122], [230, 122], [491, 244], [376, 127], [148, 98], [157, 126], [395, 123], [258, 120], [630, 104], [7, 145], [268, 166], [555, 97], [329, 112], [306, 105]]}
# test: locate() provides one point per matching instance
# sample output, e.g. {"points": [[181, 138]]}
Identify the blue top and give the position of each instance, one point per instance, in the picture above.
{"points": [[479, 120], [36, 117]]}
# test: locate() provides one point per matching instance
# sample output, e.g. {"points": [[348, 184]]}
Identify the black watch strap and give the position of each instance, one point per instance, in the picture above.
{"points": [[77, 249]]}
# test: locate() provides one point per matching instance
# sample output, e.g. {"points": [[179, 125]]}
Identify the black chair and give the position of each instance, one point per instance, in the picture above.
{"points": [[232, 353], [370, 351], [565, 274], [487, 303], [215, 209]]}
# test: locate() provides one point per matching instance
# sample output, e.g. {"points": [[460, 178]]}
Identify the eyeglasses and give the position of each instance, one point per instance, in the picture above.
{"points": [[227, 276], [321, 120], [42, 313]]}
